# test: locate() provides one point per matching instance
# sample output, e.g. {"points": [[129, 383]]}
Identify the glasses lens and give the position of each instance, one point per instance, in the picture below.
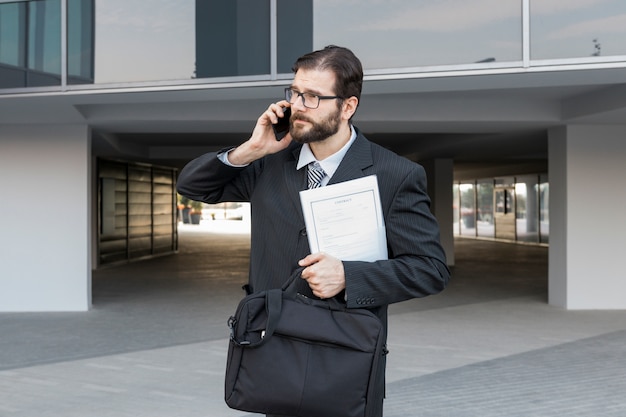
{"points": [[309, 100]]}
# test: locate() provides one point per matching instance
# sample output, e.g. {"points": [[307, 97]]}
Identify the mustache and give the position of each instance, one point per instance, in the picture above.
{"points": [[301, 117]]}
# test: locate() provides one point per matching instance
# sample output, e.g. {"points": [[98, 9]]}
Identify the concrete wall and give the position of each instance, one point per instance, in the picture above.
{"points": [[587, 225], [45, 253]]}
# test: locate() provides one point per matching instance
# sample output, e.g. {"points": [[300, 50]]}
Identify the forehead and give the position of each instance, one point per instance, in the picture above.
{"points": [[314, 81]]}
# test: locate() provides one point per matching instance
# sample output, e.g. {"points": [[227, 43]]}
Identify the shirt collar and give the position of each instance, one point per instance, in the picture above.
{"points": [[329, 164]]}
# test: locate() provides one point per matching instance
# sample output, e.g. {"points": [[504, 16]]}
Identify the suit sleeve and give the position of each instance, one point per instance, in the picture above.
{"points": [[417, 265], [208, 179]]}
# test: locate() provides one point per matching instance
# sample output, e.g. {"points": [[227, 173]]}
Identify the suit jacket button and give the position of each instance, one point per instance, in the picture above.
{"points": [[303, 232]]}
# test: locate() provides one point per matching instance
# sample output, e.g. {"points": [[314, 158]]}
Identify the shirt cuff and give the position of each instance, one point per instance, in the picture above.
{"points": [[223, 156]]}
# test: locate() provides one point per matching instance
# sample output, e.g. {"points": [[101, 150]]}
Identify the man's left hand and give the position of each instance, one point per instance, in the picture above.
{"points": [[324, 274]]}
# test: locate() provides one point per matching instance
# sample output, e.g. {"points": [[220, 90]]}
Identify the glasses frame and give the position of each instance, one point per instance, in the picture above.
{"points": [[296, 94]]}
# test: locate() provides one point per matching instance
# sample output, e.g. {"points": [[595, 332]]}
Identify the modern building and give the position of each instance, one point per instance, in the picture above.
{"points": [[102, 102]]}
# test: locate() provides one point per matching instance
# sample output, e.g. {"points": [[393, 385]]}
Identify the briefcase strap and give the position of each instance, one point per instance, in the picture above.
{"points": [[288, 286]]}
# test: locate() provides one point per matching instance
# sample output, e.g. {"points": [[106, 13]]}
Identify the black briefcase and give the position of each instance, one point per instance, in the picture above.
{"points": [[296, 356]]}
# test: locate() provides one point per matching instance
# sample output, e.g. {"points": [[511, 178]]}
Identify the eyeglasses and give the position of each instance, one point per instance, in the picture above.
{"points": [[309, 100]]}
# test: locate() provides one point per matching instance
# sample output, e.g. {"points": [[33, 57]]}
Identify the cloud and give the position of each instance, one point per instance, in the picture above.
{"points": [[137, 16], [446, 15], [542, 7], [593, 28]]}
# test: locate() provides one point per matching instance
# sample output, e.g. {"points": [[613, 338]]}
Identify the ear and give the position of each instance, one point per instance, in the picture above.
{"points": [[349, 107]]}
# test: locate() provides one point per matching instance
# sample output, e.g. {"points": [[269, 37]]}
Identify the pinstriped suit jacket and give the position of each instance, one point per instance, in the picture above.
{"points": [[416, 266]]}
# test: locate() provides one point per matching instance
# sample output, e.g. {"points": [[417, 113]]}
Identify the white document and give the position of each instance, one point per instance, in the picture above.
{"points": [[345, 220]]}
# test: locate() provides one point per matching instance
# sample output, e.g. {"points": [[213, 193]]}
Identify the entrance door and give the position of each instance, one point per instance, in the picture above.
{"points": [[504, 203]]}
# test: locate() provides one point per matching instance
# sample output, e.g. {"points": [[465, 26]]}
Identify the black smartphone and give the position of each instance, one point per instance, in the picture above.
{"points": [[282, 127]]}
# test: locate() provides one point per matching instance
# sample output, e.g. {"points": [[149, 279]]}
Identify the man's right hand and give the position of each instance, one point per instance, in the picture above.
{"points": [[263, 141]]}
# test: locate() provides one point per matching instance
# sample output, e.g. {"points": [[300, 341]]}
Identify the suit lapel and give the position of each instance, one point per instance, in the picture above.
{"points": [[295, 181], [356, 161]]}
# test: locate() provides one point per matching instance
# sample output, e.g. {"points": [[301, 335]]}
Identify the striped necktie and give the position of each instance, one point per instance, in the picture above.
{"points": [[315, 174]]}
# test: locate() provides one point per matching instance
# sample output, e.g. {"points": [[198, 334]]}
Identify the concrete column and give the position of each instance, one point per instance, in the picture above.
{"points": [[440, 177], [45, 217], [587, 226]]}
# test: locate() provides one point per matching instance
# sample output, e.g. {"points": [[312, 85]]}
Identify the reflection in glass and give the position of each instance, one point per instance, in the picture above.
{"points": [[484, 209], [526, 214], [232, 38], [44, 36], [468, 210], [30, 44], [136, 40], [294, 32], [80, 41], [12, 34], [412, 33], [561, 29]]}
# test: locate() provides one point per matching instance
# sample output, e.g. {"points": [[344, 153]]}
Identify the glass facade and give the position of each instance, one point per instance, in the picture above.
{"points": [[139, 41], [527, 208], [575, 29], [511, 208], [484, 208], [165, 41], [31, 40], [13, 34], [80, 42], [44, 39], [191, 39], [30, 44], [416, 33], [468, 209]]}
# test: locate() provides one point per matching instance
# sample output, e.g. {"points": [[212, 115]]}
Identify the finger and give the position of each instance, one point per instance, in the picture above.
{"points": [[276, 110], [311, 259]]}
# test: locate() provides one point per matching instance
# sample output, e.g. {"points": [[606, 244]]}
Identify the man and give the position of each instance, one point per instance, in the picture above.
{"points": [[323, 98]]}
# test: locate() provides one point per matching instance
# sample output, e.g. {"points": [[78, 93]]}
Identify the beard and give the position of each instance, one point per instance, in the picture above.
{"points": [[318, 131]]}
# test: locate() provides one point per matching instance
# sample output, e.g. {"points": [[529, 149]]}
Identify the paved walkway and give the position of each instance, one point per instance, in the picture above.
{"points": [[154, 344]]}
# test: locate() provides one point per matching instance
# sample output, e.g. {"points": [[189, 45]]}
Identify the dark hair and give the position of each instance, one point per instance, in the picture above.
{"points": [[346, 66]]}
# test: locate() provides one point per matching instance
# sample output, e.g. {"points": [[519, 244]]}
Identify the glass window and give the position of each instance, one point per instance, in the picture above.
{"points": [[12, 34], [80, 41], [30, 44], [136, 40], [456, 227], [294, 31], [468, 210], [573, 29], [484, 208], [421, 32], [232, 38], [526, 212], [44, 36]]}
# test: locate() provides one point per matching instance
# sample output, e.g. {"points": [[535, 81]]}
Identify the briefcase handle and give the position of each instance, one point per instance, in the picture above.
{"points": [[288, 286], [273, 306], [331, 303]]}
